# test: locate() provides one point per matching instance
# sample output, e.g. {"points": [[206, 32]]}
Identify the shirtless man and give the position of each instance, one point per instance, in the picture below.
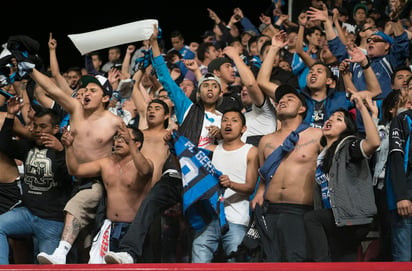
{"points": [[126, 176], [154, 119], [157, 117], [93, 128], [9, 178], [288, 190]]}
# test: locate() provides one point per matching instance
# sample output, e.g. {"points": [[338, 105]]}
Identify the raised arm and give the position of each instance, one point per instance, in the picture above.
{"points": [[66, 101], [263, 78], [305, 56], [61, 82], [246, 76], [372, 83], [139, 100], [372, 140], [126, 60], [181, 101]]}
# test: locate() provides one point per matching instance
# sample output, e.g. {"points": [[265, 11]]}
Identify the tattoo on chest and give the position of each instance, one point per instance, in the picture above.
{"points": [[312, 141]]}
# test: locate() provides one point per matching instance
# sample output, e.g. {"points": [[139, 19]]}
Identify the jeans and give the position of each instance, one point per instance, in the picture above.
{"points": [[21, 222], [117, 232], [207, 241], [401, 237]]}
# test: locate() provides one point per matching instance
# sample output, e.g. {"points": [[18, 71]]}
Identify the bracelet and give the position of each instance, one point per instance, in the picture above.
{"points": [[368, 64], [230, 184]]}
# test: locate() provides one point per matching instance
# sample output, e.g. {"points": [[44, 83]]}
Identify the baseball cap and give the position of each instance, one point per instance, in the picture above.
{"points": [[99, 80], [362, 6], [384, 36], [209, 76]]}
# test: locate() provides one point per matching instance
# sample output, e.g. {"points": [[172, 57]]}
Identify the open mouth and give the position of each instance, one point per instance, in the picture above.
{"points": [[327, 126], [313, 79]]}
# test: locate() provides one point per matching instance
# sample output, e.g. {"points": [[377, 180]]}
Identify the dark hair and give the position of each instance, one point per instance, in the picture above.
{"points": [[54, 116], [390, 102], [96, 53], [292, 29], [241, 115], [251, 40], [176, 34], [171, 54], [309, 31], [203, 48], [75, 69], [398, 69], [329, 73], [264, 45], [137, 134], [351, 129]]}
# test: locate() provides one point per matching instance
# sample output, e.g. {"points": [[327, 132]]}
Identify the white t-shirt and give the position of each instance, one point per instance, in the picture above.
{"points": [[260, 120], [209, 119]]}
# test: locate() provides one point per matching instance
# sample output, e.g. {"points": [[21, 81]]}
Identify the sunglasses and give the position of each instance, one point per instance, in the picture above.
{"points": [[375, 40]]}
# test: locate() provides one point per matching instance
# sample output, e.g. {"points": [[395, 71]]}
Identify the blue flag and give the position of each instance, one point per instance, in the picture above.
{"points": [[202, 193]]}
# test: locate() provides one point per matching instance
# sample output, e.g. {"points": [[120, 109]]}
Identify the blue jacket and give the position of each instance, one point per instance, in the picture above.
{"points": [[333, 101], [189, 115], [300, 68], [383, 66]]}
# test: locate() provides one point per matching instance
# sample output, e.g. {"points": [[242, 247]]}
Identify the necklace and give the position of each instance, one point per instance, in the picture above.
{"points": [[319, 111]]}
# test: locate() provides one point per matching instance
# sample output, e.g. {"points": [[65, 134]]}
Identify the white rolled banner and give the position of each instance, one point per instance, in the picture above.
{"points": [[112, 36]]}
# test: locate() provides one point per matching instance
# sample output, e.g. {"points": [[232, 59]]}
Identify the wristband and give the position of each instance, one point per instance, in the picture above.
{"points": [[368, 64]]}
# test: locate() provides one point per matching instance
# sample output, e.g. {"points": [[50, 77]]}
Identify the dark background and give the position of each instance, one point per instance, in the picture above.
{"points": [[67, 17]]}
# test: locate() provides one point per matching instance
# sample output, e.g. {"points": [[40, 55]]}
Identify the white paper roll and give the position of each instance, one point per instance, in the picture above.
{"points": [[113, 36]]}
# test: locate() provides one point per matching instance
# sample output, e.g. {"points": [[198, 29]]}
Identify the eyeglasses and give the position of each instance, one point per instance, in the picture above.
{"points": [[375, 40]]}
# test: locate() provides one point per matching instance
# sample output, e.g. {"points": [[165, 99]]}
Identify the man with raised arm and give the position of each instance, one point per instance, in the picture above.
{"points": [[93, 127]]}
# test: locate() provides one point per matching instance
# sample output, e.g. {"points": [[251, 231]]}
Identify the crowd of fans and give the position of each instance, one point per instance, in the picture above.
{"points": [[306, 122]]}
